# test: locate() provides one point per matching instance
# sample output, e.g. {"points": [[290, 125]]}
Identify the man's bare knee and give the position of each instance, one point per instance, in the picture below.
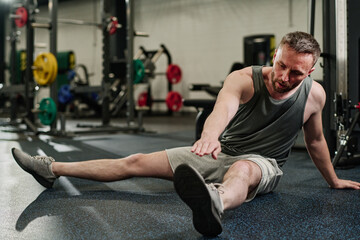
{"points": [[149, 165], [241, 168], [244, 169], [133, 162]]}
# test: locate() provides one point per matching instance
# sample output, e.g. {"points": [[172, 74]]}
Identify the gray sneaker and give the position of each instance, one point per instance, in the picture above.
{"points": [[38, 166], [203, 199]]}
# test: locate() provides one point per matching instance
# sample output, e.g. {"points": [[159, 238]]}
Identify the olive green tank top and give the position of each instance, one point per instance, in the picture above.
{"points": [[264, 125]]}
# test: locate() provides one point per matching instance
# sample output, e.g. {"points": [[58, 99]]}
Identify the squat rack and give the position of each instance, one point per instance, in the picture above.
{"points": [[105, 86], [28, 87]]}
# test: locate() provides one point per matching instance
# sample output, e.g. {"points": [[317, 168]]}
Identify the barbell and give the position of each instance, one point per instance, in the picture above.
{"points": [[21, 17]]}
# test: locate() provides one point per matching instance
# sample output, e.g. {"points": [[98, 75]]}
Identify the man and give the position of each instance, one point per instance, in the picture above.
{"points": [[244, 143]]}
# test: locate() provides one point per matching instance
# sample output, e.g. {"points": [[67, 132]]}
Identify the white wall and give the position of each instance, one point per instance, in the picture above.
{"points": [[204, 37]]}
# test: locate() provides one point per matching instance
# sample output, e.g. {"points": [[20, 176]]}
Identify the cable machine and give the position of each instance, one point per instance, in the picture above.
{"points": [[341, 79]]}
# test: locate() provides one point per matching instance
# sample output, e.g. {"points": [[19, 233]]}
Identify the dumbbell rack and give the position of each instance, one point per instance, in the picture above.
{"points": [[149, 61]]}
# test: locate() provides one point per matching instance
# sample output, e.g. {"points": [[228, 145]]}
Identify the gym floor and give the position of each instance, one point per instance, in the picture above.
{"points": [[302, 207]]}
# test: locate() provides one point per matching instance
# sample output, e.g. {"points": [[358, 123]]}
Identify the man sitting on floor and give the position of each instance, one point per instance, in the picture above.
{"points": [[245, 141]]}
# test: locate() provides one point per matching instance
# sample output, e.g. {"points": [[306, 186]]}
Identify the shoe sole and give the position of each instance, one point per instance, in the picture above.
{"points": [[191, 188], [38, 178]]}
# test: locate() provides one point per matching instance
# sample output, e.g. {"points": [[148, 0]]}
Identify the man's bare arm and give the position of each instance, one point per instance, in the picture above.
{"points": [[236, 86], [318, 149]]}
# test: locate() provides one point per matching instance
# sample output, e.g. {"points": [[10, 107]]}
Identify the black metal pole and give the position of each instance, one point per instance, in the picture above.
{"points": [[13, 36], [3, 13], [53, 5], [106, 67], [329, 73], [29, 79], [129, 58], [312, 17]]}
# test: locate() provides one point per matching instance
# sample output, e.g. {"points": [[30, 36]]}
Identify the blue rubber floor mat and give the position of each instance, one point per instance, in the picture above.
{"points": [[302, 207]]}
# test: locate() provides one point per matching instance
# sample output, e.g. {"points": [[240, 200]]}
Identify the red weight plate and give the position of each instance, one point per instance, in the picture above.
{"points": [[143, 100], [174, 101], [173, 73], [358, 106], [113, 26], [22, 12]]}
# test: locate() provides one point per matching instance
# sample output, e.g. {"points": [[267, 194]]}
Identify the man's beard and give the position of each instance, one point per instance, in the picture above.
{"points": [[285, 86]]}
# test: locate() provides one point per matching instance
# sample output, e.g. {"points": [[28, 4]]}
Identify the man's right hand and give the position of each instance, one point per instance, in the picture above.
{"points": [[206, 146]]}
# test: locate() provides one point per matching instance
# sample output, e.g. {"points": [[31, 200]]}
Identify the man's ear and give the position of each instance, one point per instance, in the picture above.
{"points": [[274, 56], [311, 70]]}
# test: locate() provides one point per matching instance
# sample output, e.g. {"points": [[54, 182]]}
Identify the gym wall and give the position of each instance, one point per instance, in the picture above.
{"points": [[204, 37]]}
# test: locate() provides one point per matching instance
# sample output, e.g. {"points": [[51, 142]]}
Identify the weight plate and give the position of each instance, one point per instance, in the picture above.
{"points": [[47, 111], [173, 73], [45, 68], [139, 71], [54, 65], [64, 94], [22, 20], [174, 101], [143, 100]]}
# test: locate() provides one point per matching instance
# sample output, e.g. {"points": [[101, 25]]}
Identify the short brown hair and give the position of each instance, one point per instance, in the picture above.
{"points": [[302, 42]]}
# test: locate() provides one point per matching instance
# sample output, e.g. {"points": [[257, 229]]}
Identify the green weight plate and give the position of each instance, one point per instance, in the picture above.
{"points": [[139, 71], [47, 111]]}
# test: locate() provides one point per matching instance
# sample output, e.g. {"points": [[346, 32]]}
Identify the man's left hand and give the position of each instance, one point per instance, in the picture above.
{"points": [[343, 184]]}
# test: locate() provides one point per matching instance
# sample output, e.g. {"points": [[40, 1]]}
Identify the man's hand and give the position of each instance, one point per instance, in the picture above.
{"points": [[342, 184], [204, 147]]}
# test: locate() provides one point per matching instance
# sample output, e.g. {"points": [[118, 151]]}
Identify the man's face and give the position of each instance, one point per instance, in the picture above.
{"points": [[290, 69]]}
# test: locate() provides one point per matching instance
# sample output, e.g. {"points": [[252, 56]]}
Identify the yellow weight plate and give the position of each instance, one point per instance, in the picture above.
{"points": [[22, 61], [45, 68], [41, 69], [53, 62], [72, 60]]}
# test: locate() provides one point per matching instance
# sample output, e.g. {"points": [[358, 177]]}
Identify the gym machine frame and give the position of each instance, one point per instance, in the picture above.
{"points": [[339, 122], [30, 43], [13, 89], [106, 83], [132, 125], [28, 86], [105, 86]]}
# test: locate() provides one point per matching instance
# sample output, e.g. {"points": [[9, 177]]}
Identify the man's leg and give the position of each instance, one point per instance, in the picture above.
{"points": [[137, 165], [45, 170], [241, 179], [208, 201]]}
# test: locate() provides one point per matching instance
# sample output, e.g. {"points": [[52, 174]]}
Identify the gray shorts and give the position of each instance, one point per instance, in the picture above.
{"points": [[214, 170]]}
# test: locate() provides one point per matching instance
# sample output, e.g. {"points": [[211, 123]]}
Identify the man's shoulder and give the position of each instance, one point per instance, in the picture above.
{"points": [[248, 72], [245, 71], [317, 93], [316, 99], [241, 76]]}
